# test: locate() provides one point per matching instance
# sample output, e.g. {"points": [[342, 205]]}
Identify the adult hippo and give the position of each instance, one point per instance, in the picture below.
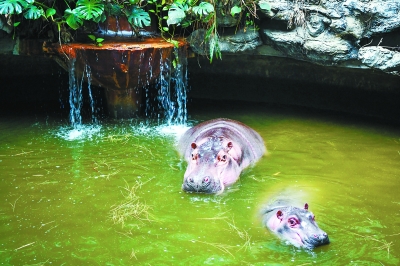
{"points": [[216, 152], [294, 225]]}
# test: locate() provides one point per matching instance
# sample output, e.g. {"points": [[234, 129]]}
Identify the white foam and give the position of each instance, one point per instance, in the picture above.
{"points": [[80, 132], [175, 131], [88, 132]]}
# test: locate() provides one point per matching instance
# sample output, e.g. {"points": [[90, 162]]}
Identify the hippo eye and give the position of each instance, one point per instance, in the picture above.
{"points": [[293, 222]]}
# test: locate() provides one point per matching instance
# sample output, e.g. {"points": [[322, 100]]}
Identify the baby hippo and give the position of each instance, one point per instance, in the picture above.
{"points": [[294, 225]]}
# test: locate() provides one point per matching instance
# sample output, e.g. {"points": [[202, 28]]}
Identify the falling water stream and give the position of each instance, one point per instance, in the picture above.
{"points": [[75, 96], [172, 85], [168, 105], [92, 102]]}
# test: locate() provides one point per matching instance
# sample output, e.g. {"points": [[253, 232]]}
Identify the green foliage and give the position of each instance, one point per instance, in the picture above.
{"points": [[212, 38], [176, 13], [89, 9], [169, 14], [33, 12], [12, 6], [138, 17], [73, 19], [235, 10], [204, 8], [50, 12], [96, 41]]}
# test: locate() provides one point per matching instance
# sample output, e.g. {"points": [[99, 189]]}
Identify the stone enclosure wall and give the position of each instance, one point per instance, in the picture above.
{"points": [[350, 33]]}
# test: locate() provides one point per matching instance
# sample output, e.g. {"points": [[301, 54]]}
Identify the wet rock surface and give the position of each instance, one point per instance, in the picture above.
{"points": [[323, 32]]}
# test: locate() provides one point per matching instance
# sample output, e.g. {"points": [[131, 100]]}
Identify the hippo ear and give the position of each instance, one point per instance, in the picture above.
{"points": [[193, 145], [229, 146], [306, 206], [279, 215]]}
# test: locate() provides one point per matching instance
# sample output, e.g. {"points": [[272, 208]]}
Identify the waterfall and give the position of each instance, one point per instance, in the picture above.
{"points": [[165, 94], [76, 96], [180, 82], [92, 102], [172, 88]]}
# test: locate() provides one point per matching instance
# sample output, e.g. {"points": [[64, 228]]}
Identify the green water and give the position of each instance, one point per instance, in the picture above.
{"points": [[62, 201]]}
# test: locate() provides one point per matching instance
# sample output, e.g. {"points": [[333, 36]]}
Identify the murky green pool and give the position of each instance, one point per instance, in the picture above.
{"points": [[113, 197]]}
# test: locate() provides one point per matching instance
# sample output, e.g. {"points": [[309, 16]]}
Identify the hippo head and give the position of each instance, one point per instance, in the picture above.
{"points": [[211, 167], [296, 226]]}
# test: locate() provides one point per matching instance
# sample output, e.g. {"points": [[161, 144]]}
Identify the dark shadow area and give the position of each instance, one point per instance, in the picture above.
{"points": [[37, 85], [32, 85], [355, 91]]}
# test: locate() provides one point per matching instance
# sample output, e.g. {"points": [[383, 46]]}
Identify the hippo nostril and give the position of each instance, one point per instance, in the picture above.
{"points": [[206, 179], [190, 179]]}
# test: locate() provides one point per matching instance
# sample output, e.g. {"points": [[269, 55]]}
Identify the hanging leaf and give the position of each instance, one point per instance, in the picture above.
{"points": [[12, 6], [33, 12], [235, 10], [89, 9], [50, 12], [212, 48], [72, 18], [139, 17], [176, 14], [204, 8]]}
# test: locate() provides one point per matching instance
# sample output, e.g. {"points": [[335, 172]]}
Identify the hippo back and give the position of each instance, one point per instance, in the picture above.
{"points": [[251, 144]]}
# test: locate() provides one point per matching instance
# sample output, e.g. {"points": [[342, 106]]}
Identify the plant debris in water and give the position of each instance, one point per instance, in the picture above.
{"points": [[131, 206], [384, 244]]}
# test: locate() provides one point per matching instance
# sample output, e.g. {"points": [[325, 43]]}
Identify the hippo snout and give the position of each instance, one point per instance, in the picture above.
{"points": [[200, 186], [316, 240], [205, 184]]}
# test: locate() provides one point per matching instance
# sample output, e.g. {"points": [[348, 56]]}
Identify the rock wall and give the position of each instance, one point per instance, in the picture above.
{"points": [[356, 33]]}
